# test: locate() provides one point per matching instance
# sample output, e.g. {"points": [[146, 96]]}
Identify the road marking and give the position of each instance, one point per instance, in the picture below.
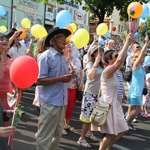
{"points": [[79, 133], [30, 115]]}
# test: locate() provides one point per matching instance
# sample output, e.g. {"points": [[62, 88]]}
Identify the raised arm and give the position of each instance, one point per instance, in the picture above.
{"points": [[120, 59], [89, 49], [17, 33], [142, 53]]}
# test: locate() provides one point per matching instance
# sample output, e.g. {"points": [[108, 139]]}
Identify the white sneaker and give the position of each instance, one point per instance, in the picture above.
{"points": [[134, 120]]}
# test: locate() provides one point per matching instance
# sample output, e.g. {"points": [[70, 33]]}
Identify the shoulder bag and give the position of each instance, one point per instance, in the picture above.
{"points": [[99, 114], [128, 76]]}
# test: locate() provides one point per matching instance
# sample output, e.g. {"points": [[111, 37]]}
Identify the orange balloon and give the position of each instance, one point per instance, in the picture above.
{"points": [[23, 34], [69, 28], [68, 38], [135, 10]]}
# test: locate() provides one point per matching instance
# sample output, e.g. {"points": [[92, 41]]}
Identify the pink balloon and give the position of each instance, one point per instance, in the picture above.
{"points": [[24, 71]]}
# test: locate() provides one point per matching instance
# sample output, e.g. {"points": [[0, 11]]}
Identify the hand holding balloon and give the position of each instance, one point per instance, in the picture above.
{"points": [[72, 73], [146, 39]]}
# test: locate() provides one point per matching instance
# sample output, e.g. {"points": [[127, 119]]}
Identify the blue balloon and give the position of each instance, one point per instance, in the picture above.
{"points": [[3, 11], [147, 60], [107, 40], [145, 12], [107, 34], [136, 35], [63, 18], [101, 41]]}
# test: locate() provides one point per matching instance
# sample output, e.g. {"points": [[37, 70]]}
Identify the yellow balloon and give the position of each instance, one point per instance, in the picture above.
{"points": [[38, 31], [81, 38], [101, 29], [135, 10], [74, 27], [3, 28], [26, 23]]}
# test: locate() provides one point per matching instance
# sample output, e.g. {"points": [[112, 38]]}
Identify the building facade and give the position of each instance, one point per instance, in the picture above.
{"points": [[79, 16], [19, 9]]}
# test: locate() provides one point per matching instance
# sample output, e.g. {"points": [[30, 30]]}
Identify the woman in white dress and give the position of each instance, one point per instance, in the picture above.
{"points": [[115, 126]]}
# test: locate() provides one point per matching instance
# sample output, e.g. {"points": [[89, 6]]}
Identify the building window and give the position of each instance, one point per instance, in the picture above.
{"points": [[85, 15], [119, 28], [92, 28], [74, 15], [50, 9]]}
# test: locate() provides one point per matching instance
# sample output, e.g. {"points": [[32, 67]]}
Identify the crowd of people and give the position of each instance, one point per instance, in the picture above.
{"points": [[63, 72]]}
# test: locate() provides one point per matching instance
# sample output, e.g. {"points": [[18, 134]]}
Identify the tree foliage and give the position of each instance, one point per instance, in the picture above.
{"points": [[100, 8], [145, 28]]}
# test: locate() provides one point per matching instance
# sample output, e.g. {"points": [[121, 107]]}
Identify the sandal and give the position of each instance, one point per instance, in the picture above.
{"points": [[84, 143], [92, 137], [64, 132], [66, 127], [72, 129]]}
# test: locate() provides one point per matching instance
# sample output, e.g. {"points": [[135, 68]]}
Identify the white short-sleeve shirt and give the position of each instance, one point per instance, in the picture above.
{"points": [[15, 52]]}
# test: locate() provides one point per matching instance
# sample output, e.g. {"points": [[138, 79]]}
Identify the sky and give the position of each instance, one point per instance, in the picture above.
{"points": [[141, 20]]}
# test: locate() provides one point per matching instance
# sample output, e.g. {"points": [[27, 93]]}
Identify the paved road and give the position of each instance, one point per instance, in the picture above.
{"points": [[24, 138]]}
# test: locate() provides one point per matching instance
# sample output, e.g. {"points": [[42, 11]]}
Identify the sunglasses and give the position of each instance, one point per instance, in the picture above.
{"points": [[139, 47], [116, 55]]}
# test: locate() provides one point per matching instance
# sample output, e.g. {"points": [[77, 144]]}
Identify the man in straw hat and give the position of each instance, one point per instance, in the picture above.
{"points": [[53, 78]]}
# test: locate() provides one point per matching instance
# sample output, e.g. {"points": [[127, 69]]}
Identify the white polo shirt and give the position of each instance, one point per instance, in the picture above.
{"points": [[15, 52]]}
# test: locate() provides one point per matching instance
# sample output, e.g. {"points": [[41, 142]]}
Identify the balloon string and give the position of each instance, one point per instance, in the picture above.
{"points": [[75, 58], [130, 24], [19, 96], [15, 16], [134, 26], [146, 28], [16, 104], [13, 118]]}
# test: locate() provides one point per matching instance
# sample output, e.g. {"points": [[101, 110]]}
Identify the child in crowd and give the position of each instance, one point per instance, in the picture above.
{"points": [[146, 99]]}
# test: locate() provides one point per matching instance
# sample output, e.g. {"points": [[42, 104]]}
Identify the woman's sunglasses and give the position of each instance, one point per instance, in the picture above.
{"points": [[139, 47], [116, 55]]}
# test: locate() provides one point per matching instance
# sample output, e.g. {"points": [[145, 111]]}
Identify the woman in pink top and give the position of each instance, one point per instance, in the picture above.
{"points": [[5, 83]]}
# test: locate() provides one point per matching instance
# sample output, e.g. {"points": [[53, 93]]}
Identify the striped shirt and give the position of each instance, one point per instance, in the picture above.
{"points": [[121, 86], [53, 64]]}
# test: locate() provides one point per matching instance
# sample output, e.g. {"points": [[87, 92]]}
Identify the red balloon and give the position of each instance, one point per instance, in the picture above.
{"points": [[24, 71], [114, 28]]}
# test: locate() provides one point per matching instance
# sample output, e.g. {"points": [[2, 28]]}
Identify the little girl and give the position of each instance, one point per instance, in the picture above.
{"points": [[146, 98]]}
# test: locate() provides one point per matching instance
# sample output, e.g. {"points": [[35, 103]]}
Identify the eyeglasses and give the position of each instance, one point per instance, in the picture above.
{"points": [[62, 37]]}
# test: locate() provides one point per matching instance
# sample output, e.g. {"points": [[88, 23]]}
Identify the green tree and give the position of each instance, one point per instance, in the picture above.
{"points": [[100, 8], [145, 28]]}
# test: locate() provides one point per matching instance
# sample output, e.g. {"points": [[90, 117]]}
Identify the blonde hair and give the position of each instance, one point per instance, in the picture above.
{"points": [[136, 55], [40, 46]]}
